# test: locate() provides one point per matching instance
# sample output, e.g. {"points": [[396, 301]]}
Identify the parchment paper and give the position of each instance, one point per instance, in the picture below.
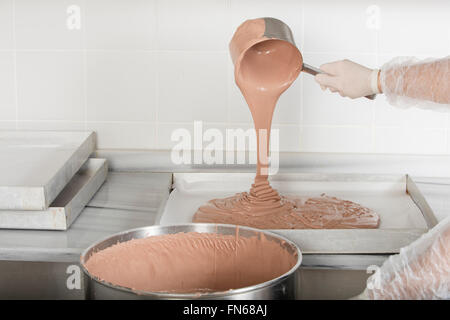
{"points": [[386, 195]]}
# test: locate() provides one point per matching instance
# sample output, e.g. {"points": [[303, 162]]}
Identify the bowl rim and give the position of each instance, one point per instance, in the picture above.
{"points": [[194, 295]]}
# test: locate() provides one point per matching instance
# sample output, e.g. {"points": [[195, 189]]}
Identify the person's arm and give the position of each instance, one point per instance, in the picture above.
{"points": [[404, 81], [423, 80], [420, 271]]}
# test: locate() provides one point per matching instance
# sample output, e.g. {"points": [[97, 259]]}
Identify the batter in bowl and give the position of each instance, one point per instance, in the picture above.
{"points": [[191, 262]]}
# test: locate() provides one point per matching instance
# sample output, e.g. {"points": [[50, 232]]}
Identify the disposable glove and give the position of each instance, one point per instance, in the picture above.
{"points": [[348, 78]]}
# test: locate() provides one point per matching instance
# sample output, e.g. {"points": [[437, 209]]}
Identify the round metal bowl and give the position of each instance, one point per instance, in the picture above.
{"points": [[282, 287]]}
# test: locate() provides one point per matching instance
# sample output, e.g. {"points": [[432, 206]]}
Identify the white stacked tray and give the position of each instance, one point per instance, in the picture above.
{"points": [[67, 205], [47, 178], [404, 213], [36, 166]]}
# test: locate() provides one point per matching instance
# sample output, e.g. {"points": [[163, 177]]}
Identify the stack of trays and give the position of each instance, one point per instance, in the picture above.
{"points": [[47, 178]]}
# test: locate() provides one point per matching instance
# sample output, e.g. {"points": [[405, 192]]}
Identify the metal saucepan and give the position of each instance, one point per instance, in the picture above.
{"points": [[278, 30], [283, 287]]}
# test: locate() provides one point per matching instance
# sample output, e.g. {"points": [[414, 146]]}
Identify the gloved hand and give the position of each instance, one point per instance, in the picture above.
{"points": [[348, 78], [420, 271]]}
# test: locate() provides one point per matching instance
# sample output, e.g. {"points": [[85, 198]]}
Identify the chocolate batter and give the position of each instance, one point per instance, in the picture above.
{"points": [[264, 69], [191, 262]]}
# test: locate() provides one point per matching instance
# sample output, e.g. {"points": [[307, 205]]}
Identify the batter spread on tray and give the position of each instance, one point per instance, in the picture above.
{"points": [[283, 212]]}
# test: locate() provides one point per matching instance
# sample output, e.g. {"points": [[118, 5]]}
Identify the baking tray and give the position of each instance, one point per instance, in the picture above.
{"points": [[66, 207], [36, 166], [404, 212]]}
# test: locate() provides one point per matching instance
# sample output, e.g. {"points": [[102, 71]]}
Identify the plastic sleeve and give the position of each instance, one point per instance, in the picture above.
{"points": [[407, 82]]}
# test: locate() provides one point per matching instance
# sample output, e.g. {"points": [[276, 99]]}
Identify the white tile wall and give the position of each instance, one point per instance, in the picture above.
{"points": [[121, 24], [119, 91], [410, 140], [289, 135], [387, 115], [336, 139], [50, 85], [165, 133], [420, 27], [124, 135], [192, 86], [194, 25], [138, 69], [338, 26], [42, 25], [326, 108], [7, 93], [6, 24], [7, 125], [51, 125]]}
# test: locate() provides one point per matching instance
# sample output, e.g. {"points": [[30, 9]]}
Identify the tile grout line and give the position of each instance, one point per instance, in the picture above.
{"points": [[208, 51], [377, 61], [113, 51], [230, 23], [157, 99], [16, 88], [85, 71], [155, 59], [302, 83], [446, 140]]}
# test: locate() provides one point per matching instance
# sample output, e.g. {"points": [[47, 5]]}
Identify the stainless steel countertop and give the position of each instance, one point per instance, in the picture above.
{"points": [[125, 201], [130, 200]]}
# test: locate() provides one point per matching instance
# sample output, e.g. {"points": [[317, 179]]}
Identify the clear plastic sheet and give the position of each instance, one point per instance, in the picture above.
{"points": [[409, 82], [420, 271]]}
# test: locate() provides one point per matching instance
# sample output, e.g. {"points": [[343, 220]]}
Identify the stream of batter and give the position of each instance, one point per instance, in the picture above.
{"points": [[264, 69]]}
